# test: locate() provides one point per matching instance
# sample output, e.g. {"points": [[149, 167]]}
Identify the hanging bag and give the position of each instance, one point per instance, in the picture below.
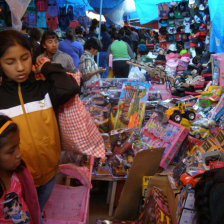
{"points": [[77, 129]]}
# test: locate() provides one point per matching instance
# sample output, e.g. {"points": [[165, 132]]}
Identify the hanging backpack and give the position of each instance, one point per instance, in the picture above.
{"points": [[63, 18], [70, 12]]}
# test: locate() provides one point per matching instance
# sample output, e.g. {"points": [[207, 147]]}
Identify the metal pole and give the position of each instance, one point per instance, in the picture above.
{"points": [[101, 6]]}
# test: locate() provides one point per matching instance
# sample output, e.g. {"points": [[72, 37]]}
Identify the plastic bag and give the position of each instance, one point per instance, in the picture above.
{"points": [[136, 75]]}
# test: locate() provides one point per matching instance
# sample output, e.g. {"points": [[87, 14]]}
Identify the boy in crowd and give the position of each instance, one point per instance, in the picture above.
{"points": [[49, 44]]}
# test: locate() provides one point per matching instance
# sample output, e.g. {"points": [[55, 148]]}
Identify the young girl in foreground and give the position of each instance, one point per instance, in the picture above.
{"points": [[18, 197], [31, 103]]}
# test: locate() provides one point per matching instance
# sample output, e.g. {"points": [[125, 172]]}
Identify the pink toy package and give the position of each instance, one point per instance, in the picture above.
{"points": [[167, 135]]}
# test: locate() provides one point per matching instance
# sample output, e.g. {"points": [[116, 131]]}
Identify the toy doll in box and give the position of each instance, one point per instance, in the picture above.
{"points": [[103, 169], [117, 165], [106, 138]]}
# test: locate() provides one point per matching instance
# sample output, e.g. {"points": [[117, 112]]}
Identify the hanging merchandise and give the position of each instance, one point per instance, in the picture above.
{"points": [[63, 18], [31, 19], [41, 5], [5, 14], [31, 6], [41, 20], [186, 22], [18, 9], [52, 22], [52, 8], [70, 13]]}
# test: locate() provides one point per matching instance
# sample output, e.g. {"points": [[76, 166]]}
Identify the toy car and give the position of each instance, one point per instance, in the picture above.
{"points": [[199, 132], [175, 109], [192, 176]]}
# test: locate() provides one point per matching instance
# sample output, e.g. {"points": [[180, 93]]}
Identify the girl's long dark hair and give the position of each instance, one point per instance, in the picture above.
{"points": [[11, 128], [9, 38]]}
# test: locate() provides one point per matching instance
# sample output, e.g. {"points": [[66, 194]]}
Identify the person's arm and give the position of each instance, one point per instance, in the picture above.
{"points": [[108, 53], [81, 50], [130, 52], [61, 86], [89, 75], [70, 65]]}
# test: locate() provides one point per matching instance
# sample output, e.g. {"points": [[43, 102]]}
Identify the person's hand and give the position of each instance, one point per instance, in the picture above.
{"points": [[100, 70], [39, 64]]}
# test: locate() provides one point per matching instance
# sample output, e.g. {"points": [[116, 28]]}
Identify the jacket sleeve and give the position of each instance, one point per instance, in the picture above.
{"points": [[61, 86]]}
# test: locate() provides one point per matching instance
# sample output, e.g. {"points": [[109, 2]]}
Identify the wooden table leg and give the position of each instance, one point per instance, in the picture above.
{"points": [[109, 191], [112, 197]]}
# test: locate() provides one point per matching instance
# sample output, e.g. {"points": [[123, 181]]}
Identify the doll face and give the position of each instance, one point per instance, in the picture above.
{"points": [[14, 209]]}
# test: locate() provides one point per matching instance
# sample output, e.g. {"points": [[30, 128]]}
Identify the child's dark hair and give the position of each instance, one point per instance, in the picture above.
{"points": [[49, 34], [9, 38], [93, 43], [209, 197], [11, 128], [79, 30], [70, 34]]}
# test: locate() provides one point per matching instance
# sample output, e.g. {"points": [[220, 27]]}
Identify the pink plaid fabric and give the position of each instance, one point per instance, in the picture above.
{"points": [[77, 129]]}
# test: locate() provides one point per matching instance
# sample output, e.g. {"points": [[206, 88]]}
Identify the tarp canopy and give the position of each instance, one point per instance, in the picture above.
{"points": [[146, 10], [216, 9]]}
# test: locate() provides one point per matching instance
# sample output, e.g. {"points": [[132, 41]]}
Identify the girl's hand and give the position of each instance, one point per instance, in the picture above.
{"points": [[39, 64]]}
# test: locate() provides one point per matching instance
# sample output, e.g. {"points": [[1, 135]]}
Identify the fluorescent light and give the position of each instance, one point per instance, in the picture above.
{"points": [[93, 15]]}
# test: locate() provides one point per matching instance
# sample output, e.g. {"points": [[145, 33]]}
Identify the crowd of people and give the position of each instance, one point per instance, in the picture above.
{"points": [[123, 44]]}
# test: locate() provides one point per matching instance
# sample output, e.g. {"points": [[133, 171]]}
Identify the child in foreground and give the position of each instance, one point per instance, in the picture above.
{"points": [[18, 196]]}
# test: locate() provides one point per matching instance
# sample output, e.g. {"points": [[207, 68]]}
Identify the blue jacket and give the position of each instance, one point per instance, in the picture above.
{"points": [[106, 40], [74, 49]]}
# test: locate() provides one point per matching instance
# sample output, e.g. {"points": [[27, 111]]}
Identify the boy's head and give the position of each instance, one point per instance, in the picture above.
{"points": [[49, 42], [93, 45]]}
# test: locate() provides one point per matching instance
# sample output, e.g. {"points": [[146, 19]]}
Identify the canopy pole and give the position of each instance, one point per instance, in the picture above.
{"points": [[101, 6]]}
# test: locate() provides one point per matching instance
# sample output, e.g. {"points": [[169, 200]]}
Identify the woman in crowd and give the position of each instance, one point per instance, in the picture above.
{"points": [[121, 52], [71, 47]]}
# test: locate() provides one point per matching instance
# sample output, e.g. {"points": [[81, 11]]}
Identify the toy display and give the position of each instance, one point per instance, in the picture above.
{"points": [[131, 106], [165, 135]]}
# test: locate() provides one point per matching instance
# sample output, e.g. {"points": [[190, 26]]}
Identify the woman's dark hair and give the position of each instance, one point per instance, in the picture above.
{"points": [[92, 28], [49, 34], [79, 30], [93, 43], [70, 34], [103, 28], [209, 197], [9, 38], [116, 36], [94, 22], [36, 33], [11, 128]]}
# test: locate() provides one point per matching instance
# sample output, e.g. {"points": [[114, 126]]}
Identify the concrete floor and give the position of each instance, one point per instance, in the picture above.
{"points": [[98, 207]]}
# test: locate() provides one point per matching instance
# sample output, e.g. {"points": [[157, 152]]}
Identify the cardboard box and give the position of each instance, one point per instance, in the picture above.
{"points": [[163, 183], [145, 183], [146, 163]]}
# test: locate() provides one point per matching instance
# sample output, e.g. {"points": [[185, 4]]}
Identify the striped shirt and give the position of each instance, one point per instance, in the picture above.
{"points": [[87, 65]]}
